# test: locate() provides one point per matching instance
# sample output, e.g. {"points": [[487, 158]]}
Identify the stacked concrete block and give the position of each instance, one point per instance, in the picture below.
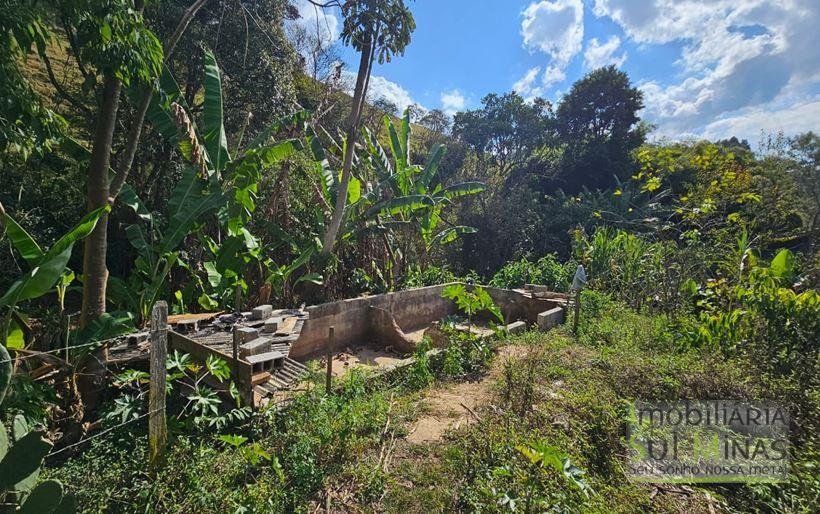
{"points": [[243, 335], [271, 325], [257, 346], [261, 312], [550, 318]]}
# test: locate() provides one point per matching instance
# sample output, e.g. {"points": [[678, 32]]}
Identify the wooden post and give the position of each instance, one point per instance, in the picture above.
{"points": [[329, 351], [157, 430], [577, 311]]}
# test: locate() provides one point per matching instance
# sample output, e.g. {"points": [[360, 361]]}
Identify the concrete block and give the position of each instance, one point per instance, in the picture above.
{"points": [[271, 325], [517, 327], [242, 335], [261, 312], [136, 338], [187, 326], [257, 346], [550, 318]]}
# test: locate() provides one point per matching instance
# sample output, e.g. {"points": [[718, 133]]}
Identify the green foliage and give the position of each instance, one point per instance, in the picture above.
{"points": [[763, 318], [199, 407], [545, 271], [472, 301], [386, 25], [598, 123], [420, 374], [20, 464]]}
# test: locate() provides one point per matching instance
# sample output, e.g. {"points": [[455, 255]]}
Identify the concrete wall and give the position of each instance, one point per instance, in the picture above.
{"points": [[412, 309]]}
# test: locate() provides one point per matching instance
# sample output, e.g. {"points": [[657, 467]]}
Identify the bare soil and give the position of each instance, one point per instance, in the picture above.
{"points": [[456, 405], [361, 357]]}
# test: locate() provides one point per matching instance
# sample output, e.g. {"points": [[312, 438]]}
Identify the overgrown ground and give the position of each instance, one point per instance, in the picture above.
{"points": [[452, 434]]}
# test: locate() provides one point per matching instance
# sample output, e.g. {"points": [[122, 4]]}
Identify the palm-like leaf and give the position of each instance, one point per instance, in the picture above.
{"points": [[214, 139]]}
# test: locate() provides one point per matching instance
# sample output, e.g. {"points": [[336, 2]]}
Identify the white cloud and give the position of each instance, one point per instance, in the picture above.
{"points": [[380, 87], [320, 23], [800, 117], [452, 101], [739, 58], [553, 75], [529, 87], [556, 29], [598, 54], [526, 85]]}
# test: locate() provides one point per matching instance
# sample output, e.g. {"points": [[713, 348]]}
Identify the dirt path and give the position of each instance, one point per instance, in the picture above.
{"points": [[455, 406]]}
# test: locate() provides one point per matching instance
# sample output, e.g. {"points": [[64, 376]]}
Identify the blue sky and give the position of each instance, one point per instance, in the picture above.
{"points": [[707, 68]]}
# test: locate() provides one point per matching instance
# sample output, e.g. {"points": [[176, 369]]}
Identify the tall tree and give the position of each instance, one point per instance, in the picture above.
{"points": [[377, 29], [599, 127], [506, 130]]}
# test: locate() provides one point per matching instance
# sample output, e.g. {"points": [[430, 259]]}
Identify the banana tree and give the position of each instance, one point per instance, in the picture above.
{"points": [[409, 195], [215, 182], [47, 268]]}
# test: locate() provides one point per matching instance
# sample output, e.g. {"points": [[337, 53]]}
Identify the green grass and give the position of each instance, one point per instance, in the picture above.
{"points": [[571, 394]]}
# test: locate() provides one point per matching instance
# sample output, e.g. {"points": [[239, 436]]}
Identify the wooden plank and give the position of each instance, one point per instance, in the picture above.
{"points": [[182, 318], [260, 378]]}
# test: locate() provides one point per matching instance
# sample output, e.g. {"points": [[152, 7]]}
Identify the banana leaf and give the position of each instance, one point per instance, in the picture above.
{"points": [[401, 204], [431, 168], [448, 235], [214, 139], [296, 121], [21, 240], [463, 189], [50, 267]]}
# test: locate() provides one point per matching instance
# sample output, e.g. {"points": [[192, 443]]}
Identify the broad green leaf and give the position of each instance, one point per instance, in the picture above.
{"points": [[80, 231], [295, 121], [431, 168], [129, 197], [15, 339], [395, 145], [50, 267], [783, 264], [43, 499], [463, 189], [404, 136], [448, 235], [401, 204], [214, 139], [139, 240], [23, 461], [106, 326], [38, 281], [22, 241], [354, 190]]}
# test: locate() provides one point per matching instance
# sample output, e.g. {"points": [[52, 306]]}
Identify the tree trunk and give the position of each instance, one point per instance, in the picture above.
{"points": [[95, 272], [362, 79]]}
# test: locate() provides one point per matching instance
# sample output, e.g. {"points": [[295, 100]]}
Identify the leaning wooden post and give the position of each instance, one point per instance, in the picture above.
{"points": [[157, 430], [329, 350]]}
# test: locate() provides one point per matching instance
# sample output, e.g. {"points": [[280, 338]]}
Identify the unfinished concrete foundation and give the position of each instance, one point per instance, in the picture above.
{"points": [[266, 347]]}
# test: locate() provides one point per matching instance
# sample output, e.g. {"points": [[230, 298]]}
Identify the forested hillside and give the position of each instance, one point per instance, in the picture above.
{"points": [[218, 156]]}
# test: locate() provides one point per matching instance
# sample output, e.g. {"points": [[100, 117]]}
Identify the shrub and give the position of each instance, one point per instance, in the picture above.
{"points": [[546, 271]]}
